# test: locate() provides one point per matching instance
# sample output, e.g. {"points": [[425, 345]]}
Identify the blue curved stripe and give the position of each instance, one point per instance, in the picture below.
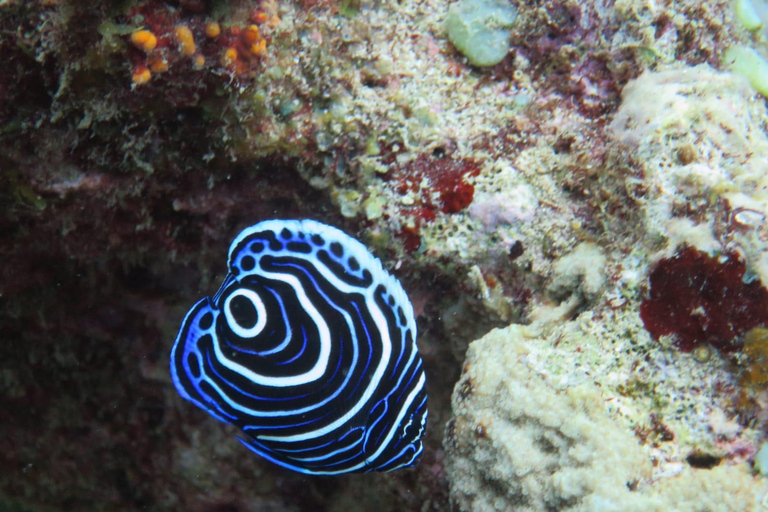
{"points": [[310, 252]]}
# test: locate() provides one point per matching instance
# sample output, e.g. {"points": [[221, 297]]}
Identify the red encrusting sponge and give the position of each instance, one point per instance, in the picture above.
{"points": [[703, 299]]}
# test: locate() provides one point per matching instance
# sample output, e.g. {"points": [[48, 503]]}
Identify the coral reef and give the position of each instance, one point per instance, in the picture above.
{"points": [[527, 436], [545, 189]]}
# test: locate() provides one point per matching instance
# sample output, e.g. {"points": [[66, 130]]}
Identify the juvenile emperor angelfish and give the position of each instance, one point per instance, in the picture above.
{"points": [[309, 347]]}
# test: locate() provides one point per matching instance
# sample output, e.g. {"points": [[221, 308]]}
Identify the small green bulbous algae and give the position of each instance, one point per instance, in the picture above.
{"points": [[479, 29]]}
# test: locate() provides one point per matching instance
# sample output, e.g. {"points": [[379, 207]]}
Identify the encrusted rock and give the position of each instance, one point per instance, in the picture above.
{"points": [[521, 439], [519, 442]]}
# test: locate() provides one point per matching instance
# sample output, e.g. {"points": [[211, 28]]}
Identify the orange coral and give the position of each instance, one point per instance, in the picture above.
{"points": [[185, 39], [212, 30], [141, 75], [259, 17], [144, 40], [229, 57], [259, 48], [158, 65], [251, 34], [205, 44]]}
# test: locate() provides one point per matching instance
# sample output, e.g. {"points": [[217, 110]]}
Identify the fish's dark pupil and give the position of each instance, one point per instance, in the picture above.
{"points": [[243, 312]]}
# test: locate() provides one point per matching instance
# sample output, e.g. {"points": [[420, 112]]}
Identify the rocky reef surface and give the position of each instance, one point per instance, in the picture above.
{"points": [[600, 185]]}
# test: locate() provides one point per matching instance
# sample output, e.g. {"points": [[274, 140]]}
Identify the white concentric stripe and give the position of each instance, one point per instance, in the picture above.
{"points": [[288, 329], [261, 313], [262, 452], [407, 462], [367, 260], [328, 455], [411, 397], [313, 373], [332, 234], [404, 370], [368, 460], [386, 352], [292, 412]]}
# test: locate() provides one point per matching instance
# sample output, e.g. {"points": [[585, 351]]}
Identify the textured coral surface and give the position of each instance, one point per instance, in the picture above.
{"points": [[137, 138], [525, 441]]}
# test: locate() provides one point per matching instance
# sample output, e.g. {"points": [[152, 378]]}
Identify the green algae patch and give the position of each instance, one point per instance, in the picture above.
{"points": [[479, 29], [747, 13], [751, 65]]}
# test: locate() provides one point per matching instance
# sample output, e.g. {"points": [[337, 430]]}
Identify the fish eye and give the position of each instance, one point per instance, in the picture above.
{"points": [[245, 313]]}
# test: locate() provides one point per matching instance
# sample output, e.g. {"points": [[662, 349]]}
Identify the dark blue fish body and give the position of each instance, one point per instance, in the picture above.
{"points": [[309, 347]]}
